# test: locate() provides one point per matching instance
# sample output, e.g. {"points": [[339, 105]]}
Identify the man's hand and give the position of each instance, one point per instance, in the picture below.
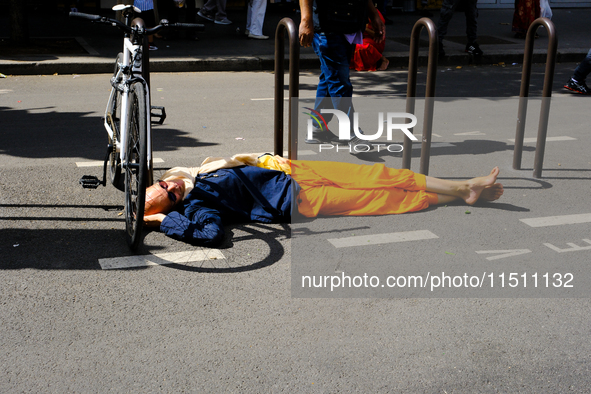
{"points": [[306, 23], [154, 220], [306, 34]]}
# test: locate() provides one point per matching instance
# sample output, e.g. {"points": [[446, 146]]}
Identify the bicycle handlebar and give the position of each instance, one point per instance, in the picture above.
{"points": [[164, 24], [196, 26], [86, 16]]}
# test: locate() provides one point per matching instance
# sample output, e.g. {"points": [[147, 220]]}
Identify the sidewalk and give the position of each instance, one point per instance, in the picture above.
{"points": [[225, 48]]}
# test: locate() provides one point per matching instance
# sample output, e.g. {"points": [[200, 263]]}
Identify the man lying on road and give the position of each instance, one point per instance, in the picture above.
{"points": [[192, 204]]}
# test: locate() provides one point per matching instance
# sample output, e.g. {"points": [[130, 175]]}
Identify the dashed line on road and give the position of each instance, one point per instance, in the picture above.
{"points": [[471, 133], [558, 220], [548, 139], [434, 145], [185, 257], [273, 98], [420, 136], [99, 163], [501, 254], [386, 238]]}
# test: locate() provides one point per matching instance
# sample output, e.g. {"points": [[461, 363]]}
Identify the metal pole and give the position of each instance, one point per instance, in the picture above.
{"points": [[294, 86], [411, 91], [546, 94]]}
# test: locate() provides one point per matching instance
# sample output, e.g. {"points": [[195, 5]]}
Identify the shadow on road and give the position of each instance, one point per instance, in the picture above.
{"points": [[42, 133]]}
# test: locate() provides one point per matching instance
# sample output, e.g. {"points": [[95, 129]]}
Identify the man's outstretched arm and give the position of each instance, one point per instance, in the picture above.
{"points": [[204, 228]]}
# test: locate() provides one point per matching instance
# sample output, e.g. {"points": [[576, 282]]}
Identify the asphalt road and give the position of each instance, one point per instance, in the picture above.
{"points": [[237, 319]]}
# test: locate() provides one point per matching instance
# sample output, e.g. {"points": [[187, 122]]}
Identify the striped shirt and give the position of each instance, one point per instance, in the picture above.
{"points": [[144, 5]]}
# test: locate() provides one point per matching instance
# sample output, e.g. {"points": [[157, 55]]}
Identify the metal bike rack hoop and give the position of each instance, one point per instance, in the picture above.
{"points": [[411, 91], [546, 94], [294, 86]]}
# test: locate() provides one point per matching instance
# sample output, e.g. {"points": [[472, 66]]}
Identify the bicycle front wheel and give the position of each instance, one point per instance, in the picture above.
{"points": [[136, 170]]}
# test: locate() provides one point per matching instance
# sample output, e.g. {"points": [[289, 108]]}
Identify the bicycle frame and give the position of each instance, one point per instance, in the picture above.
{"points": [[128, 71]]}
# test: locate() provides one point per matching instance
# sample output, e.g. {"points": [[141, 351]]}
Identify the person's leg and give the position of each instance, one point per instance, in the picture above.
{"points": [[256, 17], [583, 69], [318, 44], [320, 133], [209, 7], [484, 187], [220, 14], [249, 15], [333, 188], [471, 13], [577, 83], [355, 176], [447, 11], [328, 200], [334, 53]]}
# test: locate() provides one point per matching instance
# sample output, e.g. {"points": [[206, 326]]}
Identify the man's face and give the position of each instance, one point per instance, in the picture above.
{"points": [[162, 196]]}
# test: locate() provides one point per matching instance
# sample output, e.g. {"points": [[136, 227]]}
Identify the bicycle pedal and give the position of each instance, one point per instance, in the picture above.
{"points": [[160, 116], [90, 182]]}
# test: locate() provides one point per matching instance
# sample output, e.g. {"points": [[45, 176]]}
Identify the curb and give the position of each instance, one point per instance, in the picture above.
{"points": [[95, 65]]}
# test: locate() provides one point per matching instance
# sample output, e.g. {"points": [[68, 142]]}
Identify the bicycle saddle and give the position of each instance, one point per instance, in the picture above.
{"points": [[123, 7]]}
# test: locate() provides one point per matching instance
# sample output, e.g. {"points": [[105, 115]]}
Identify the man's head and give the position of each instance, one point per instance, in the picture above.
{"points": [[163, 196]]}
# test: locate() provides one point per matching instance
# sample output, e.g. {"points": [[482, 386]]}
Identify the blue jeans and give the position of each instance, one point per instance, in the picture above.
{"points": [[583, 69], [334, 86]]}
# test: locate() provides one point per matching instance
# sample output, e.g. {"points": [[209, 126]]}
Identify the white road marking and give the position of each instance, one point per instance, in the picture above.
{"points": [[4, 91], [273, 98], [558, 220], [573, 247], [548, 139], [99, 163], [376, 239], [471, 133], [504, 253], [420, 136], [189, 256], [418, 145]]}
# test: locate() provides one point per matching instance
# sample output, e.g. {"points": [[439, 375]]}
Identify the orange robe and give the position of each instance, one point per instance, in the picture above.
{"points": [[330, 188]]}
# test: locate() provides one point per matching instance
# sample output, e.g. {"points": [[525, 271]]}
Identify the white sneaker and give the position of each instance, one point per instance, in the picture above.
{"points": [[246, 32], [258, 37]]}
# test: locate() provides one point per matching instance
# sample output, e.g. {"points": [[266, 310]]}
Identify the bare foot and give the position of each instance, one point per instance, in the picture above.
{"points": [[492, 192], [476, 187], [384, 64]]}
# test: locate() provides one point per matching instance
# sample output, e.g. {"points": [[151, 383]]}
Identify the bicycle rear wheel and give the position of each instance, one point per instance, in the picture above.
{"points": [[136, 170], [114, 121]]}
